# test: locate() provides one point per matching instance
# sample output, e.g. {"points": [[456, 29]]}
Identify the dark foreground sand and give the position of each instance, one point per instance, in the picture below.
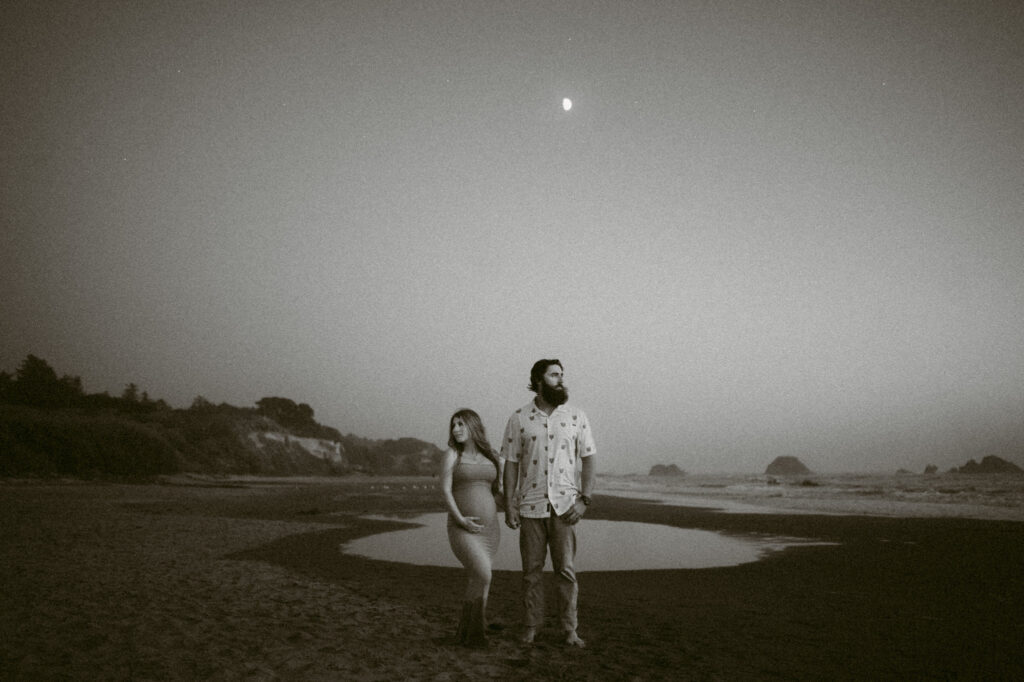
{"points": [[245, 581]]}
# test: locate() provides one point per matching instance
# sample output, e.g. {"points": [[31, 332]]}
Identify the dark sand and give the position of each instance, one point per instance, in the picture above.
{"points": [[246, 581]]}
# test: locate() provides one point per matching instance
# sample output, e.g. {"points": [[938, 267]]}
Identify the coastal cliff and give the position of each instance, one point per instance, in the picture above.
{"points": [[50, 426]]}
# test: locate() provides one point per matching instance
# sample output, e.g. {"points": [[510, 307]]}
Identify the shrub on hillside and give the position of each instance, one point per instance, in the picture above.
{"points": [[67, 443]]}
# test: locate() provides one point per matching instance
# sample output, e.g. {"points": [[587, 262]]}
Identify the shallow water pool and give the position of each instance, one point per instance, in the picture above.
{"points": [[602, 546]]}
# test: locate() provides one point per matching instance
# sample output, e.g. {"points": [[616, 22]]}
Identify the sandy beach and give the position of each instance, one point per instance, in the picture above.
{"points": [[244, 580]]}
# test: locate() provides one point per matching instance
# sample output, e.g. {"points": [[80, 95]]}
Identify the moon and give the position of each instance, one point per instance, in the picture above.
{"points": [[566, 104]]}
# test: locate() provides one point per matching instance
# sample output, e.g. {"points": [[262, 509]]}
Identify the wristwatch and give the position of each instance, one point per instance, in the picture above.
{"points": [[586, 499]]}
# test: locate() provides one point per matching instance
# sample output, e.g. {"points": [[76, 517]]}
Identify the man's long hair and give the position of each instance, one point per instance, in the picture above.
{"points": [[478, 435]]}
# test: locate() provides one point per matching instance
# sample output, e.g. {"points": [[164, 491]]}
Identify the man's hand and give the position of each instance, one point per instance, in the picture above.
{"points": [[575, 513], [511, 516]]}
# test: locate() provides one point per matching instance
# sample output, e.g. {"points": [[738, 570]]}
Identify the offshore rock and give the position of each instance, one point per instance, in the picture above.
{"points": [[666, 470], [786, 466], [989, 465]]}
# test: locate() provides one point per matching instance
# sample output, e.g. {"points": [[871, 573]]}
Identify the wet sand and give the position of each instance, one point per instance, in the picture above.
{"points": [[205, 579]]}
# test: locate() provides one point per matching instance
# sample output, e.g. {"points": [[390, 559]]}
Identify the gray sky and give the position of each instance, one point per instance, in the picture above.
{"points": [[764, 228]]}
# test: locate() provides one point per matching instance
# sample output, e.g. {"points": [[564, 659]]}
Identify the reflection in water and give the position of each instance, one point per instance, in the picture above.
{"points": [[603, 546]]}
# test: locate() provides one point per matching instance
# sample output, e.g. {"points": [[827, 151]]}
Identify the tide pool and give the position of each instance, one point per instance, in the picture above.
{"points": [[602, 546]]}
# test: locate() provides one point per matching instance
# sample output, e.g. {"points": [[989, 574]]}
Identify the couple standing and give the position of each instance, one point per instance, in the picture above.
{"points": [[548, 450]]}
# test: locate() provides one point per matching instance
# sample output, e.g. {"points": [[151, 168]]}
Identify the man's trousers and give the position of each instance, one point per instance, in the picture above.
{"points": [[535, 537]]}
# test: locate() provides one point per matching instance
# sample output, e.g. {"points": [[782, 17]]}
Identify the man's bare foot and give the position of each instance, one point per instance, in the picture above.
{"points": [[572, 639], [528, 635]]}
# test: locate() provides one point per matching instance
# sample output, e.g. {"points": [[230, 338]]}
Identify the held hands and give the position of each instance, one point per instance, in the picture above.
{"points": [[512, 516], [470, 523], [575, 513]]}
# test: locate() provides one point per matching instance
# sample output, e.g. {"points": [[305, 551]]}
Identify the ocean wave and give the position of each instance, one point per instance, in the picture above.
{"points": [[983, 496]]}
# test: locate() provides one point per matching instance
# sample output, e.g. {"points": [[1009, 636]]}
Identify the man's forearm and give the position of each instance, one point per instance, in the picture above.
{"points": [[589, 476], [511, 482]]}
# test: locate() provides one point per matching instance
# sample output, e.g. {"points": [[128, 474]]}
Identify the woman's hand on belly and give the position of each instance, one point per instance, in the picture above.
{"points": [[471, 524]]}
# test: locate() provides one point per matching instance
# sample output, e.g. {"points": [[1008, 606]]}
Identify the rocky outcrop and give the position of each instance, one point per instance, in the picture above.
{"points": [[329, 451], [666, 470], [931, 469], [989, 465], [786, 466]]}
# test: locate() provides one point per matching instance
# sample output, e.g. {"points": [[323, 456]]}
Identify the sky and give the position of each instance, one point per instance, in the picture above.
{"points": [[762, 229]]}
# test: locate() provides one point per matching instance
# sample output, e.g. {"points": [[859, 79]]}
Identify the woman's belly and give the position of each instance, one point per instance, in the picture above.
{"points": [[475, 500]]}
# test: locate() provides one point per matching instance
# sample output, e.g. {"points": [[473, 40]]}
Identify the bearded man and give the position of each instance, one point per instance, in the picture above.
{"points": [[549, 476]]}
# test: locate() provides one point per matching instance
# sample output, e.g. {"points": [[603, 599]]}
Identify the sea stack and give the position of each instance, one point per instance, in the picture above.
{"points": [[786, 466], [989, 465], [666, 470]]}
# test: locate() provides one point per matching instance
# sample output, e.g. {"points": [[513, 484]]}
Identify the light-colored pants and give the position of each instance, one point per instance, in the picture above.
{"points": [[535, 536]]}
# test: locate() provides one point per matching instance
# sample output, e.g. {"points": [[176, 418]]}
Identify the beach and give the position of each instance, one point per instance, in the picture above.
{"points": [[244, 579]]}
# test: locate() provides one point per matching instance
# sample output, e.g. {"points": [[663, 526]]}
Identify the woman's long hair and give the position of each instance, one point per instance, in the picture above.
{"points": [[478, 435]]}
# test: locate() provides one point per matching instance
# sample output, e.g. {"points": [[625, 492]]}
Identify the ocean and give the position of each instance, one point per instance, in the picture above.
{"points": [[976, 496]]}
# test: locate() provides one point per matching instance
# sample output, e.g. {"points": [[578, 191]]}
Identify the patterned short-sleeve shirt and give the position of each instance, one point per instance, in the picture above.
{"points": [[549, 449]]}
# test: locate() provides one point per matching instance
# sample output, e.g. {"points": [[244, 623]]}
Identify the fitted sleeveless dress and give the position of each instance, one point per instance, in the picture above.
{"points": [[471, 488]]}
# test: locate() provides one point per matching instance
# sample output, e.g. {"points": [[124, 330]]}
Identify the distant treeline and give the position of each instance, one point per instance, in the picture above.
{"points": [[49, 426]]}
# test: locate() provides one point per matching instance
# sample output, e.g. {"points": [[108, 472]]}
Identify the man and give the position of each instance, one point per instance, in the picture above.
{"points": [[549, 475]]}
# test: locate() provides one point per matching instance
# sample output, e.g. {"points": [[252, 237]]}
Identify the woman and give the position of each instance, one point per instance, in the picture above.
{"points": [[470, 481]]}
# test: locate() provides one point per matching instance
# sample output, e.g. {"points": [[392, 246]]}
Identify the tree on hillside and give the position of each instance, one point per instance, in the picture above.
{"points": [[36, 384], [6, 384], [130, 393], [285, 412], [73, 385], [199, 403]]}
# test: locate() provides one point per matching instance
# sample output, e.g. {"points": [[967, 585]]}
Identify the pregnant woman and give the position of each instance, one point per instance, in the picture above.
{"points": [[470, 476]]}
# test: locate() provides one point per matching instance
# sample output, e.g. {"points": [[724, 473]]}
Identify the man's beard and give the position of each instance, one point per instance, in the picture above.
{"points": [[554, 395]]}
